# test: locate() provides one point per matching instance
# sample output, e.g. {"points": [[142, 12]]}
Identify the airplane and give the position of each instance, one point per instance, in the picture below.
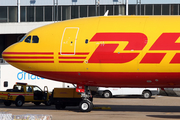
{"points": [[106, 51]]}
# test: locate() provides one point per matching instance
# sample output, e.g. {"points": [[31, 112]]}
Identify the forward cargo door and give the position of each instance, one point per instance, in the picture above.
{"points": [[68, 41]]}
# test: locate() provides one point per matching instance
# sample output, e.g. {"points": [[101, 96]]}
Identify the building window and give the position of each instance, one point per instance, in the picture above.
{"points": [[83, 11], [59, 13], [13, 14], [174, 9], [55, 13], [102, 10], [116, 10], [98, 10], [39, 13], [142, 9], [157, 9], [132, 10], [92, 11], [66, 12], [30, 14], [74, 12], [139, 9], [48, 13], [165, 9], [3, 14], [148, 9], [23, 14]]}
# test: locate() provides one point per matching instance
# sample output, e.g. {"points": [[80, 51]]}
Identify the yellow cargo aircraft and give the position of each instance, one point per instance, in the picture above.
{"points": [[109, 51]]}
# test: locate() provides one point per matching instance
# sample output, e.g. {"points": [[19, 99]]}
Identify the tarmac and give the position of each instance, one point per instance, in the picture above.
{"points": [[118, 108]]}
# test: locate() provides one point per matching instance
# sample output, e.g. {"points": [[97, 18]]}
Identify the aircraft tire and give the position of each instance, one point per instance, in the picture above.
{"points": [[86, 106]]}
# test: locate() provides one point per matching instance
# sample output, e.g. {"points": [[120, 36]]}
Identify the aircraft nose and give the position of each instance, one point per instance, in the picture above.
{"points": [[8, 53]]}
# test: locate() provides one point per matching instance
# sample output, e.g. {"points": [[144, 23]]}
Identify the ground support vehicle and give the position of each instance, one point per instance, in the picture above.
{"points": [[108, 92], [63, 97], [22, 93]]}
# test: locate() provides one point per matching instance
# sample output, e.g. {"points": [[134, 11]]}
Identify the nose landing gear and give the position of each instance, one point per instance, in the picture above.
{"points": [[86, 104]]}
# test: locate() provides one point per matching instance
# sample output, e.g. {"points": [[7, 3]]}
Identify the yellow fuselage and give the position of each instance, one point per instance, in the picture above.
{"points": [[118, 51]]}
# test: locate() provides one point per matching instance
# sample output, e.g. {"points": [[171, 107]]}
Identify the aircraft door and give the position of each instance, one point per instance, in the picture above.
{"points": [[68, 41]]}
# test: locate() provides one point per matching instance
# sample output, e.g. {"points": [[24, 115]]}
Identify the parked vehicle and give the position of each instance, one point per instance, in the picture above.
{"points": [[63, 97], [107, 92], [22, 93]]}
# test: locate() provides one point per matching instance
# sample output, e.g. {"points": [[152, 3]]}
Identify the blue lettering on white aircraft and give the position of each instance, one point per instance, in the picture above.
{"points": [[26, 76]]}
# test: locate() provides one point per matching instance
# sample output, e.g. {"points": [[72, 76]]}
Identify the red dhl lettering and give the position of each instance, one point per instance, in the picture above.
{"points": [[137, 41], [166, 42]]}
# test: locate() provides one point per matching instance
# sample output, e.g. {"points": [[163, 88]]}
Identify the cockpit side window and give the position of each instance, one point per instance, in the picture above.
{"points": [[23, 38], [35, 39], [28, 39]]}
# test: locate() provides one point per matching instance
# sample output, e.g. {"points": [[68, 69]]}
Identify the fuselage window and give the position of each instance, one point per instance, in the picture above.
{"points": [[28, 39], [35, 39], [22, 38]]}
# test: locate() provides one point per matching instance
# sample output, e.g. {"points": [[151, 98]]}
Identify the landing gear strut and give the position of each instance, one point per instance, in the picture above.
{"points": [[86, 104]]}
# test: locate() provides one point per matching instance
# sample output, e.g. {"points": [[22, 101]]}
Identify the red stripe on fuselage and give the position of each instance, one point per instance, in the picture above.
{"points": [[76, 53], [71, 61], [29, 53], [16, 61], [72, 57], [115, 79], [27, 57]]}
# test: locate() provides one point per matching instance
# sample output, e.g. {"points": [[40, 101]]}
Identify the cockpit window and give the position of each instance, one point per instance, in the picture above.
{"points": [[35, 39], [23, 38], [28, 39]]}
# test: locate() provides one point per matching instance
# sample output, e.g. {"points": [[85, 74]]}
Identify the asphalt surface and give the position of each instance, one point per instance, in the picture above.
{"points": [[123, 108]]}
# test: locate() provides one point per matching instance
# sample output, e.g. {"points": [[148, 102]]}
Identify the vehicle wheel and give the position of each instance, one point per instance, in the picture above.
{"points": [[85, 106], [60, 106], [146, 94], [7, 103], [19, 102], [37, 103], [57, 106], [63, 106], [107, 94], [48, 103]]}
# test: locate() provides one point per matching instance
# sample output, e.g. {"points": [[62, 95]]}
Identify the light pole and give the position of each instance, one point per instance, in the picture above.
{"points": [[95, 7], [56, 10], [138, 4], [19, 11], [126, 7]]}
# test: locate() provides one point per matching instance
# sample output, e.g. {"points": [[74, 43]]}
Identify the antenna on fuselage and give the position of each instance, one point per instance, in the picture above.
{"points": [[106, 13]]}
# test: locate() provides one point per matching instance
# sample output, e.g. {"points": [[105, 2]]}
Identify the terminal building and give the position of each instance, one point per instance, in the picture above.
{"points": [[17, 17]]}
